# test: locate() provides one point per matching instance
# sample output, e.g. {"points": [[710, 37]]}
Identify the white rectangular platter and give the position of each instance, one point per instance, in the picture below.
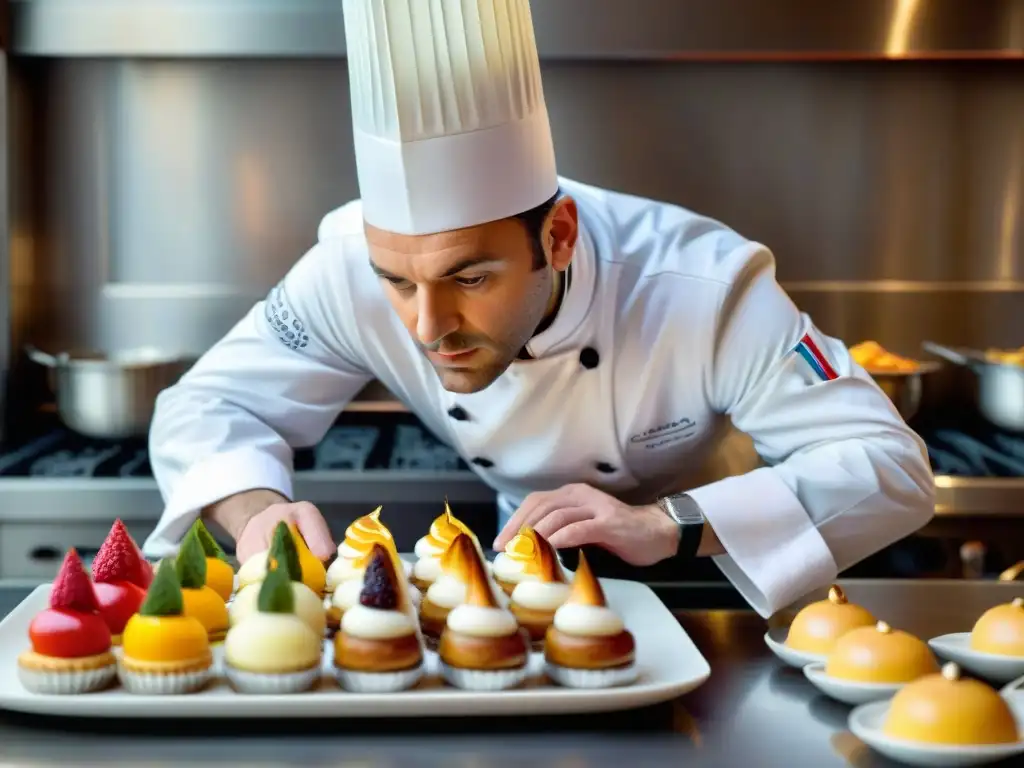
{"points": [[668, 661]]}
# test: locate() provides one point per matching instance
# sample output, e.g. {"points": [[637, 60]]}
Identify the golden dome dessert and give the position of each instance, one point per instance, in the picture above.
{"points": [[200, 601], [449, 590], [220, 576], [305, 604], [587, 645], [164, 651], [947, 709], [482, 646], [818, 625], [354, 550], [1000, 630], [535, 600], [429, 549], [378, 648], [70, 640], [521, 560], [880, 654], [314, 575], [272, 650]]}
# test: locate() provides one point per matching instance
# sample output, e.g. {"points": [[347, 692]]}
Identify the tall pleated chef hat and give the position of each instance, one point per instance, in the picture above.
{"points": [[449, 120]]}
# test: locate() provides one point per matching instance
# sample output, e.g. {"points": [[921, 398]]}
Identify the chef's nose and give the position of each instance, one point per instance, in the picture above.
{"points": [[436, 317]]}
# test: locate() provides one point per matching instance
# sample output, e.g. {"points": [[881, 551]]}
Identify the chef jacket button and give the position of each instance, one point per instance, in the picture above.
{"points": [[458, 413], [589, 358], [605, 467], [480, 461]]}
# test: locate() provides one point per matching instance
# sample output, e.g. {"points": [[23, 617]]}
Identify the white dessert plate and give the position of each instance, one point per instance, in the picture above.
{"points": [[991, 666], [866, 724], [669, 665], [848, 691], [776, 640]]}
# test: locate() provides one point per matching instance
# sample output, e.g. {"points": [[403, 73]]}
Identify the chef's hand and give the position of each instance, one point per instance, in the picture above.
{"points": [[575, 515], [251, 517]]}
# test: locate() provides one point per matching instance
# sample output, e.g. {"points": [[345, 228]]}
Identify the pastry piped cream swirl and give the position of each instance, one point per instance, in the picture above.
{"points": [[354, 551], [481, 615]]}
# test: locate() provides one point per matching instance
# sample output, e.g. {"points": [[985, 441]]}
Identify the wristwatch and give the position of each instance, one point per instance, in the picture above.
{"points": [[688, 516]]}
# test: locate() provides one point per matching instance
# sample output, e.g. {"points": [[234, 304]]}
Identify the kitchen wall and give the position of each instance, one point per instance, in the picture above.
{"points": [[153, 201]]}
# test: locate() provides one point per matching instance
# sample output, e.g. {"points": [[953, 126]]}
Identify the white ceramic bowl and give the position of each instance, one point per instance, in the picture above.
{"points": [[848, 691], [866, 724], [1014, 690], [991, 666], [776, 640]]}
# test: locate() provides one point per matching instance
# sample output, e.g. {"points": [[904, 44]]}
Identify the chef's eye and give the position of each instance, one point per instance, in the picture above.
{"points": [[399, 283], [470, 282]]}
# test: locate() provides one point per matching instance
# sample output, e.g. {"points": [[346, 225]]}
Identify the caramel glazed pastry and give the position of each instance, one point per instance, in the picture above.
{"points": [[587, 646], [450, 588], [536, 598], [378, 648], [482, 647]]}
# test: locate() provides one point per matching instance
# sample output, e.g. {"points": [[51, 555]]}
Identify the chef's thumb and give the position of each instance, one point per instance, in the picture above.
{"points": [[314, 530]]}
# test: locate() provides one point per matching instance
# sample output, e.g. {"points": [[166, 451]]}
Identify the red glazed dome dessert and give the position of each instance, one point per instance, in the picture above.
{"points": [[119, 579]]}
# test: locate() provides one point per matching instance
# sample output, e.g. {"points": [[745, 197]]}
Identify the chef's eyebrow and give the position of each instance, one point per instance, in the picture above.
{"points": [[459, 266]]}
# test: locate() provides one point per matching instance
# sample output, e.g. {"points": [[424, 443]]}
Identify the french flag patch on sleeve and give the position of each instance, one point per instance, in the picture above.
{"points": [[812, 355]]}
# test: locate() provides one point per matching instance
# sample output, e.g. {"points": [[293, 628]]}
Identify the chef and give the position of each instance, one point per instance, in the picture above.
{"points": [[585, 351]]}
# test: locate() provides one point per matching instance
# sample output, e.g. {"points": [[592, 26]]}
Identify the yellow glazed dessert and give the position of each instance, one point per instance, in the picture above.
{"points": [[535, 599], [1000, 630], [200, 601], [305, 604], [880, 654], [521, 560], [272, 650], [314, 575], [818, 625], [354, 550], [947, 709], [432, 547], [220, 576], [164, 651]]}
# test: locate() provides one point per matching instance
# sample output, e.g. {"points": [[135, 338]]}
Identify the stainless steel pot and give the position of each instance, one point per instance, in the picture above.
{"points": [[1000, 385], [905, 389], [110, 396]]}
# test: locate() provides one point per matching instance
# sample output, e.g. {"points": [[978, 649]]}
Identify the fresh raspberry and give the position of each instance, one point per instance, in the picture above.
{"points": [[118, 559], [72, 589], [379, 588]]}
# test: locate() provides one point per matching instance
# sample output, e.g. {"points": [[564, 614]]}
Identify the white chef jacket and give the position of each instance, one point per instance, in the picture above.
{"points": [[673, 327]]}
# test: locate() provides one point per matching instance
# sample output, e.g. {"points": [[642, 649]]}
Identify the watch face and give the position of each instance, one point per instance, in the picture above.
{"points": [[685, 511]]}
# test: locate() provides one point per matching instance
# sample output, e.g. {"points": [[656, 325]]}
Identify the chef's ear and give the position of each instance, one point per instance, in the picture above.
{"points": [[561, 230]]}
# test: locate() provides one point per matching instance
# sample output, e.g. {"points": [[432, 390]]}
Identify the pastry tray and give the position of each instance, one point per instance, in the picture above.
{"points": [[669, 665]]}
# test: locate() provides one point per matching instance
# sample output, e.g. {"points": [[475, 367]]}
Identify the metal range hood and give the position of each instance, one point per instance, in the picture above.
{"points": [[566, 29]]}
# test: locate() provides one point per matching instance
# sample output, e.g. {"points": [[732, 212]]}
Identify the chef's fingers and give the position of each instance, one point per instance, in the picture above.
{"points": [[314, 530], [560, 518], [578, 534], [534, 508]]}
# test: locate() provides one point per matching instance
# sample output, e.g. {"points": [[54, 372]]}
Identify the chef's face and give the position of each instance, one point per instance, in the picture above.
{"points": [[472, 298]]}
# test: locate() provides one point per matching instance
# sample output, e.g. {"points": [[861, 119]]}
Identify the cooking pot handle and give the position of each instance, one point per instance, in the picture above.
{"points": [[965, 358], [44, 358]]}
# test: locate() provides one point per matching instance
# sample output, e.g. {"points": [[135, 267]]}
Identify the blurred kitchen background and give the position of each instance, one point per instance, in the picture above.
{"points": [[167, 162]]}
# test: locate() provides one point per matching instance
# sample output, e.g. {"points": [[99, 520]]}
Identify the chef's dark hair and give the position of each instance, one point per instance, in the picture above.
{"points": [[533, 220]]}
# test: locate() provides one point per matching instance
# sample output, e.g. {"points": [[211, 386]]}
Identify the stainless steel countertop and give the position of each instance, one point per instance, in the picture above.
{"points": [[752, 711]]}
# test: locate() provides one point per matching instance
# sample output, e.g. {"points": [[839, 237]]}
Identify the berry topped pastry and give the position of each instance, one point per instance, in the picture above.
{"points": [[431, 547], [587, 645], [165, 651], [535, 599], [118, 580], [220, 576], [305, 604], [200, 601], [354, 550], [71, 650], [272, 650], [482, 646], [378, 648]]}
